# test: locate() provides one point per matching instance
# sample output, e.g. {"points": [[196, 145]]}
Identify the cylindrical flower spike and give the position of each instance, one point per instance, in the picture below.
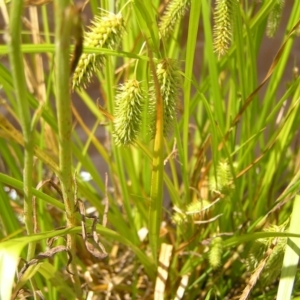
{"points": [[223, 25], [128, 111], [168, 79], [105, 32], [274, 247], [215, 252], [173, 14], [274, 18], [223, 183]]}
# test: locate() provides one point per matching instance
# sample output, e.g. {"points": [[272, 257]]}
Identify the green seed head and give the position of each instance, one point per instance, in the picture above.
{"points": [[224, 181], [198, 207], [105, 32], [128, 111], [223, 25], [179, 218], [274, 18], [173, 14], [215, 252], [273, 264], [168, 79]]}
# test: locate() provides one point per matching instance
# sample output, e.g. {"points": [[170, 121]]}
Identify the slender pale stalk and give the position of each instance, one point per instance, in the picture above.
{"points": [[291, 258], [156, 193], [191, 46], [16, 61], [65, 20]]}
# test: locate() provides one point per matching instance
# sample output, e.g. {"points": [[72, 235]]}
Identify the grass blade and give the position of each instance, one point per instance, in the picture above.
{"points": [[291, 257]]}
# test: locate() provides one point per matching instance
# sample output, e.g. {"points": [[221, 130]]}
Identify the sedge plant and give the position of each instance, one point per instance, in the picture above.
{"points": [[146, 152]]}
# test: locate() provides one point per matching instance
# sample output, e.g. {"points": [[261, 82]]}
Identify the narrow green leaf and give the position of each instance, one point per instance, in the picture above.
{"points": [[291, 257], [147, 22], [9, 259]]}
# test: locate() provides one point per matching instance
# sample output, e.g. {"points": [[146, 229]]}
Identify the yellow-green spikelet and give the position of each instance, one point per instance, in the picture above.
{"points": [[257, 252], [223, 17], [105, 32], [274, 18], [224, 181], [273, 265], [172, 15], [215, 252], [128, 111], [168, 79], [179, 218]]}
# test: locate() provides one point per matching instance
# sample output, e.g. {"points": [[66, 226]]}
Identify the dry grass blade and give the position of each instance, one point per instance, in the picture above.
{"points": [[182, 287], [162, 273], [255, 276]]}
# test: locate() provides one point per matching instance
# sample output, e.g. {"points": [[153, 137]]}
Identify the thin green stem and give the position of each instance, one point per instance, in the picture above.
{"points": [[156, 193], [17, 66], [189, 63], [66, 18]]}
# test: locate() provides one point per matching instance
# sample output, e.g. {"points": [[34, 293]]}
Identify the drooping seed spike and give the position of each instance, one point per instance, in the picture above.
{"points": [[274, 18], [223, 17], [128, 112], [272, 249], [223, 183], [168, 79], [105, 32], [172, 15], [215, 252]]}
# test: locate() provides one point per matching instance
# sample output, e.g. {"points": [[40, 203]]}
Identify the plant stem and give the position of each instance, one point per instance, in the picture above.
{"points": [[156, 193], [16, 61], [65, 19], [191, 46]]}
